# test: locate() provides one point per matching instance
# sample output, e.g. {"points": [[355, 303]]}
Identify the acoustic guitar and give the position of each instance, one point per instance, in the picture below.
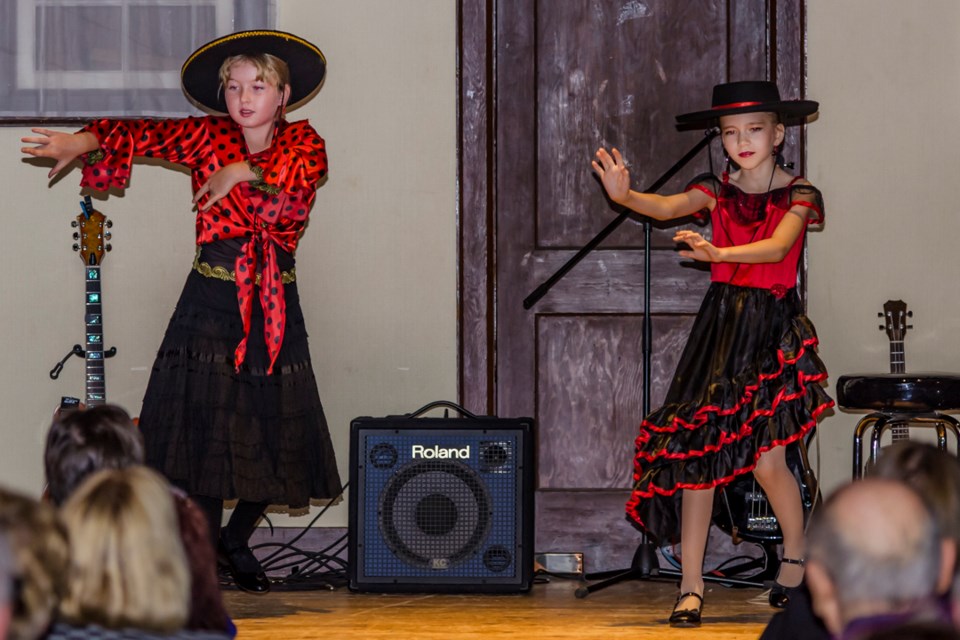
{"points": [[895, 316]]}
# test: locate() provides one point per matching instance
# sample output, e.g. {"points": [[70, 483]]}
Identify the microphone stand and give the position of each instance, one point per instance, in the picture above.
{"points": [[644, 564]]}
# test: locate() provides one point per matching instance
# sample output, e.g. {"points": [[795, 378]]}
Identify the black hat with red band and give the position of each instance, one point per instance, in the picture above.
{"points": [[749, 96]]}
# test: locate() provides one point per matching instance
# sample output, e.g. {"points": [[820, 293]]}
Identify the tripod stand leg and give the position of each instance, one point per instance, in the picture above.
{"points": [[644, 566]]}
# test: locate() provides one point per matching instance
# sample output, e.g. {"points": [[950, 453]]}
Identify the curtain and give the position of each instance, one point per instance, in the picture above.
{"points": [[87, 58]]}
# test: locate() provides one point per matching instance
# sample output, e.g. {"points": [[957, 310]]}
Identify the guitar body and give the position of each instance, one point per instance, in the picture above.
{"points": [[742, 510]]}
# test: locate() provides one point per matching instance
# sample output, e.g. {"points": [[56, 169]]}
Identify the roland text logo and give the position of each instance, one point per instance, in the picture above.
{"points": [[435, 452]]}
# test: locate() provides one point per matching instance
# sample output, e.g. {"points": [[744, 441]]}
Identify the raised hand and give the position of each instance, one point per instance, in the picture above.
{"points": [[62, 147], [613, 174], [700, 249]]}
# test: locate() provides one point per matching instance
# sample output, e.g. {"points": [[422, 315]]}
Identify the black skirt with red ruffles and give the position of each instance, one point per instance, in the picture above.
{"points": [[749, 380], [220, 433]]}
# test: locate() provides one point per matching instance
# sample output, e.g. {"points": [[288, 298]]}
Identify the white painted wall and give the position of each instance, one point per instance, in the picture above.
{"points": [[376, 268], [886, 153]]}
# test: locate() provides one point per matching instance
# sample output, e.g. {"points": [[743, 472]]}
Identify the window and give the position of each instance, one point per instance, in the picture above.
{"points": [[83, 58]]}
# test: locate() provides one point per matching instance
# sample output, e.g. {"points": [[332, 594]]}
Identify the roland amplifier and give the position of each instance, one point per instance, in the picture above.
{"points": [[441, 504]]}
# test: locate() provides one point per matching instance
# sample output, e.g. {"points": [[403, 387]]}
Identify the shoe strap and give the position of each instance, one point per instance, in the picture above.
{"points": [[801, 561], [689, 593]]}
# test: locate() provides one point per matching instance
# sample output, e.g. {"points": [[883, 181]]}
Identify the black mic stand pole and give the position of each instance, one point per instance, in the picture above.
{"points": [[542, 290]]}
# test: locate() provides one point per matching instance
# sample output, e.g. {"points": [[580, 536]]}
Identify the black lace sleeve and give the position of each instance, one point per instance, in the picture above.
{"points": [[710, 185], [808, 195]]}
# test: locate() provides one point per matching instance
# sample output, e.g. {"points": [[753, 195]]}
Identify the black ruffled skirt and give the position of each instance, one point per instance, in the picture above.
{"points": [[248, 435], [749, 380]]}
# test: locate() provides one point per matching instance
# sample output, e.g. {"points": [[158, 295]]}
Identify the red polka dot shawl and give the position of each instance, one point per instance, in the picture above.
{"points": [[270, 213]]}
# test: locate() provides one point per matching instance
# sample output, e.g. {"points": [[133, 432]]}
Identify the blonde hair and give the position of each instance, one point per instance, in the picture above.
{"points": [[270, 68], [38, 543], [128, 568]]}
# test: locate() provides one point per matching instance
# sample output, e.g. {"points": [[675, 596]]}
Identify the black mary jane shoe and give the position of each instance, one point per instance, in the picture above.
{"points": [[244, 568], [780, 594], [686, 617]]}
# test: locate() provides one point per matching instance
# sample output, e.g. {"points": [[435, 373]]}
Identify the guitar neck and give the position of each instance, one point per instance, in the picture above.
{"points": [[898, 363], [96, 386]]}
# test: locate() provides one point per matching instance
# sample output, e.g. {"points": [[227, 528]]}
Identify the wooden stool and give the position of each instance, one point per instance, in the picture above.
{"points": [[895, 401]]}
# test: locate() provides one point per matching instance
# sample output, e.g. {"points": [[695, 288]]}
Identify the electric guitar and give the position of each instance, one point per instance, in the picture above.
{"points": [[91, 243]]}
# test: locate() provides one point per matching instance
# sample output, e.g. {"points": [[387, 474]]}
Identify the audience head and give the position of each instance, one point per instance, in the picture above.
{"points": [[7, 574], [917, 631], [931, 472], [37, 541], [83, 441], [874, 548], [127, 563]]}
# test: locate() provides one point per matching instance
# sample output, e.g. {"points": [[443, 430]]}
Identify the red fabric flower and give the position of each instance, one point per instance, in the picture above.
{"points": [[778, 291]]}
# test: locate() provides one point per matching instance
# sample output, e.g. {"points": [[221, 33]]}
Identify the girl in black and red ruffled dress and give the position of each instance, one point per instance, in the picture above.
{"points": [[748, 381]]}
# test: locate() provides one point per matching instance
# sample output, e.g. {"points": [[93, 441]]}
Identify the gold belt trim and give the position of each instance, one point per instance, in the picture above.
{"points": [[222, 273]]}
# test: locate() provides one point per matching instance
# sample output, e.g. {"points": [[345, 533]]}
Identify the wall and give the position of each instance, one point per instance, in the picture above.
{"points": [[378, 264], [377, 267], [885, 153]]}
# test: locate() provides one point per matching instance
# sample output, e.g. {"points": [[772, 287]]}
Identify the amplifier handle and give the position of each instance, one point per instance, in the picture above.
{"points": [[442, 403]]}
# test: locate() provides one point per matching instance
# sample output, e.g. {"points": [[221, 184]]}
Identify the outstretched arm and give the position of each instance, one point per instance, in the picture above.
{"points": [[772, 249], [616, 181], [62, 147]]}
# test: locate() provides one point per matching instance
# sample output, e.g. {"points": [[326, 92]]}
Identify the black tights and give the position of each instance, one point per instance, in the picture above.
{"points": [[242, 522]]}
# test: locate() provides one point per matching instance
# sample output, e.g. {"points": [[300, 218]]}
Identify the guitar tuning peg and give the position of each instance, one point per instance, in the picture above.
{"points": [[109, 223], [74, 223], [909, 326], [109, 247], [880, 315], [880, 327], [76, 235], [76, 247], [108, 235], [910, 313]]}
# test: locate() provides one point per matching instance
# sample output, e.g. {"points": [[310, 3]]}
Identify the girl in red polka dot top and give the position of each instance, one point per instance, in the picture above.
{"points": [[232, 410]]}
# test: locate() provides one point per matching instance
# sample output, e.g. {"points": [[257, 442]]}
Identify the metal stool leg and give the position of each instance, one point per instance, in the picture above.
{"points": [[862, 426], [882, 423], [951, 423], [941, 436]]}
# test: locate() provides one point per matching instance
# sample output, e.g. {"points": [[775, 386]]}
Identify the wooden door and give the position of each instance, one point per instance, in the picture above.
{"points": [[543, 84]]}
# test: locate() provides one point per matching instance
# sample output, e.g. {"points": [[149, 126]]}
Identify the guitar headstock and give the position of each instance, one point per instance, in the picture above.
{"points": [[895, 316], [91, 236]]}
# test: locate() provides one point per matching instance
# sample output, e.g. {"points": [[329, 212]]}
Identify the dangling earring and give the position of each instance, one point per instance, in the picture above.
{"points": [[726, 165]]}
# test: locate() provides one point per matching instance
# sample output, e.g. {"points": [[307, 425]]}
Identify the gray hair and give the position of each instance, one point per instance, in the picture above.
{"points": [[898, 575]]}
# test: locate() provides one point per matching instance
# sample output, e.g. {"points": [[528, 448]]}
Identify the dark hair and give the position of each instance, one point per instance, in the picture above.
{"points": [[933, 473], [83, 441], [917, 631], [38, 542]]}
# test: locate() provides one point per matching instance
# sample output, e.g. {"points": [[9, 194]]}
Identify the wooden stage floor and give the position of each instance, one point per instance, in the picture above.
{"points": [[627, 610]]}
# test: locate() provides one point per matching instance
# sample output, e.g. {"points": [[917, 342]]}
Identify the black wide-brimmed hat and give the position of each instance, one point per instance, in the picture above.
{"points": [[201, 82], [749, 96]]}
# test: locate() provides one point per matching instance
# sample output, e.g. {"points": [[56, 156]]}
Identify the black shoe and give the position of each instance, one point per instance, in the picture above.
{"points": [[244, 567], [780, 594], [686, 617]]}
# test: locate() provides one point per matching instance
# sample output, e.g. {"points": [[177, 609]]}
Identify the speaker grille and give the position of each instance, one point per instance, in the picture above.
{"points": [[435, 513]]}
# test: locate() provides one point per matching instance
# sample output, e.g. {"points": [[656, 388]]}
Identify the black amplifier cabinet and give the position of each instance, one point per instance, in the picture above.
{"points": [[441, 504]]}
